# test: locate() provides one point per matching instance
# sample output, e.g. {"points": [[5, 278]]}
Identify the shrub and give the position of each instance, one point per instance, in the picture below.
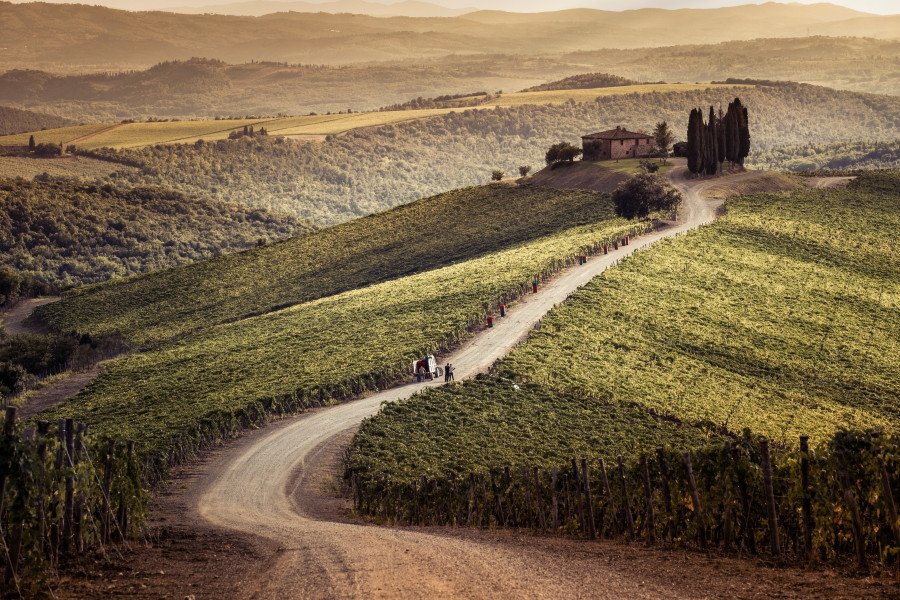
{"points": [[561, 152], [524, 170], [643, 194], [497, 175], [649, 166]]}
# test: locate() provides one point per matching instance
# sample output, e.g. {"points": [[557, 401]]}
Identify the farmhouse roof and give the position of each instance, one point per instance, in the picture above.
{"points": [[619, 133]]}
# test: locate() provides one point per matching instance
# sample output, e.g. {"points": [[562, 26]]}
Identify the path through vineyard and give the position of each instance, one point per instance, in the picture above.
{"points": [[259, 517]]}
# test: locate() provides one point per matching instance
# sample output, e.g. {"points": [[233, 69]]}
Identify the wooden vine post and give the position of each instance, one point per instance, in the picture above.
{"points": [[43, 429], [629, 519], [589, 504], [695, 500], [11, 557], [888, 496], [107, 484], [9, 427], [806, 501], [554, 517], [541, 520], [648, 496], [666, 493], [607, 492], [774, 542], [855, 521], [69, 500]]}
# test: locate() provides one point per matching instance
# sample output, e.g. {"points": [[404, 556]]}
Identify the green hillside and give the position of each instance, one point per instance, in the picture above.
{"points": [[206, 384], [426, 234], [782, 317]]}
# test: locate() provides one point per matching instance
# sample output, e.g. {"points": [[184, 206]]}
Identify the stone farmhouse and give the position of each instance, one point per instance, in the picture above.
{"points": [[615, 144]]}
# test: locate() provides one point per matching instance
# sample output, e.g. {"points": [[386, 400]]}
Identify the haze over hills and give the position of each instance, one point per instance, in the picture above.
{"points": [[408, 8], [209, 88], [871, 6], [93, 37]]}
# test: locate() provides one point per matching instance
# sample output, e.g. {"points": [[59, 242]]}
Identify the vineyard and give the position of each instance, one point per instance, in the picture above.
{"points": [[206, 385], [745, 342], [424, 235], [63, 492]]}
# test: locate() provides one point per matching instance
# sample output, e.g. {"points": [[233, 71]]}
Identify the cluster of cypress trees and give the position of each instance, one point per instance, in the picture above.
{"points": [[725, 136]]}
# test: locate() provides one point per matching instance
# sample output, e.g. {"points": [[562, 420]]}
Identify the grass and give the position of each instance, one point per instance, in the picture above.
{"points": [[131, 135], [426, 234], [632, 166], [782, 317], [331, 348]]}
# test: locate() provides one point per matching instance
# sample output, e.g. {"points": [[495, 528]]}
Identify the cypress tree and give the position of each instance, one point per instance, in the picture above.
{"points": [[694, 141], [744, 135], [31, 143], [734, 135], [720, 135], [712, 144]]}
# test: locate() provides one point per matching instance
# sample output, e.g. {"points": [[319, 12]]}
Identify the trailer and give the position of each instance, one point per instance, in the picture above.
{"points": [[427, 369]]}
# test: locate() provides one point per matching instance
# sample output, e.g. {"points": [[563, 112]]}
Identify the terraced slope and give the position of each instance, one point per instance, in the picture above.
{"points": [[782, 317], [430, 233]]}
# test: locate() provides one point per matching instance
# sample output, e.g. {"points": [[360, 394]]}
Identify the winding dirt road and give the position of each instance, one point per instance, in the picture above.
{"points": [[252, 489]]}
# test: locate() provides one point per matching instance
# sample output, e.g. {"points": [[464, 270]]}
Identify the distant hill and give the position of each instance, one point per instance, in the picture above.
{"points": [[584, 81], [207, 88], [101, 38], [256, 8], [15, 120]]}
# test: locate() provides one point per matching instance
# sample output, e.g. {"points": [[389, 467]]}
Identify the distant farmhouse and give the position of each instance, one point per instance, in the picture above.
{"points": [[616, 143]]}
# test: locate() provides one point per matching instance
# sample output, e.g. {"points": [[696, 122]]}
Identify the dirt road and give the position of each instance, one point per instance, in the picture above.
{"points": [[258, 517], [251, 489], [13, 320]]}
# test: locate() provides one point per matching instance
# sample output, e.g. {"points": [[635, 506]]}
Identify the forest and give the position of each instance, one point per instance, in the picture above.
{"points": [[15, 120], [61, 232]]}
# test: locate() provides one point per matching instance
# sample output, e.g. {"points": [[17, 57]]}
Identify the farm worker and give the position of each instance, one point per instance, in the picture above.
{"points": [[534, 286], [449, 374], [420, 374], [490, 321], [502, 308]]}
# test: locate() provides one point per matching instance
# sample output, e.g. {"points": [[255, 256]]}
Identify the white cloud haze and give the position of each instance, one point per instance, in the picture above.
{"points": [[871, 6]]}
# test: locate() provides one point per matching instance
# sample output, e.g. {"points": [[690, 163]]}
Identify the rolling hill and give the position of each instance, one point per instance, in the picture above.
{"points": [[101, 38], [423, 235], [187, 391], [208, 88]]}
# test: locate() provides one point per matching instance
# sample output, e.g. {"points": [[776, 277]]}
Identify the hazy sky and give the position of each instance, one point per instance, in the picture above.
{"points": [[872, 6]]}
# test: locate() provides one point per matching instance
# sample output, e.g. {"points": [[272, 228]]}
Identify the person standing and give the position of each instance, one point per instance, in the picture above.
{"points": [[449, 374]]}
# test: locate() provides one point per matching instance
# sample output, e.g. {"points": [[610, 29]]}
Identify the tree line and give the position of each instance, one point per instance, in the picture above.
{"points": [[723, 137]]}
